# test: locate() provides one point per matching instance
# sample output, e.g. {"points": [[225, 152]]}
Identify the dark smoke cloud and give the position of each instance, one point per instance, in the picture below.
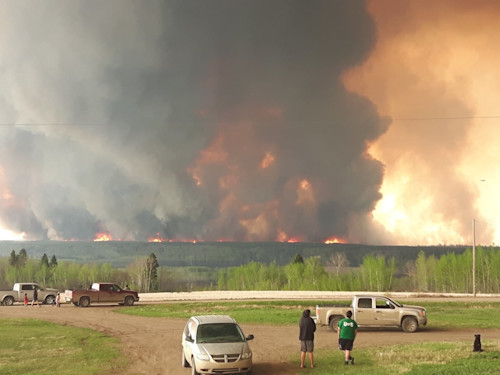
{"points": [[117, 105]]}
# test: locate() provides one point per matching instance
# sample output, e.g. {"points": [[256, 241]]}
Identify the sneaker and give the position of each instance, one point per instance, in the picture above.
{"points": [[346, 362], [352, 360]]}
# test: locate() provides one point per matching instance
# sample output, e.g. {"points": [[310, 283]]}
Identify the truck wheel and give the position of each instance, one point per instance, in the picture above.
{"points": [[185, 363], [8, 301], [409, 324], [50, 300], [334, 322], [84, 301], [129, 301]]}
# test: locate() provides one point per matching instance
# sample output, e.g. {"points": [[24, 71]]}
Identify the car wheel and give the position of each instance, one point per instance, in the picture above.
{"points": [[8, 301], [193, 368], [50, 300], [334, 322], [185, 363], [129, 301], [84, 302], [409, 324]]}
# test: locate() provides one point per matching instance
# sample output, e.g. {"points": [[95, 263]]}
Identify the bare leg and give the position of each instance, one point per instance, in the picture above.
{"points": [[311, 359], [302, 359]]}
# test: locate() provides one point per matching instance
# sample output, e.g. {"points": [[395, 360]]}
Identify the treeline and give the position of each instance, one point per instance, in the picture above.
{"points": [[142, 275], [450, 273]]}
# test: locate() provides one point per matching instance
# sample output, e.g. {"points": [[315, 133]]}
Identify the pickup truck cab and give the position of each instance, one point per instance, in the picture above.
{"points": [[99, 293], [374, 311], [45, 295]]}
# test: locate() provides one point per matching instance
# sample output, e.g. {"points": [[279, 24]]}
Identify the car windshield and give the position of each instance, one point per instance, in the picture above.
{"points": [[219, 332]]}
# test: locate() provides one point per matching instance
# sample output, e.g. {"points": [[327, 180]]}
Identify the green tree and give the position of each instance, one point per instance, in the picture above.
{"points": [[13, 258], [53, 261]]}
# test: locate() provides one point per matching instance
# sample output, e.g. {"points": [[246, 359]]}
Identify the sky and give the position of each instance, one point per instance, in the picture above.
{"points": [[227, 120]]}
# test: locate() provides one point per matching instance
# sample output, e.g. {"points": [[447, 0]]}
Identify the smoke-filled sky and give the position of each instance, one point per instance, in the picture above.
{"points": [[365, 122]]}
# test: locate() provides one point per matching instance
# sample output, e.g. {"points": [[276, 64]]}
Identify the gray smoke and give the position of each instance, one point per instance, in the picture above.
{"points": [[112, 112]]}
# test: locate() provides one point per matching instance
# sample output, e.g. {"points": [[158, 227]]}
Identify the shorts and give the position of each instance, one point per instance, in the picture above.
{"points": [[307, 346], [346, 344]]}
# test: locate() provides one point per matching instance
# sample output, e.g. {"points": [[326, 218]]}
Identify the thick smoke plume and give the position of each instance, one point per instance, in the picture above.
{"points": [[195, 120]]}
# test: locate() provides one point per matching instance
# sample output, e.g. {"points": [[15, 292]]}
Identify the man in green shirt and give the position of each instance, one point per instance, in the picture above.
{"points": [[346, 333]]}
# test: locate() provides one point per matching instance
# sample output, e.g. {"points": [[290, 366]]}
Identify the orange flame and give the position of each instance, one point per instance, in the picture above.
{"points": [[102, 237], [333, 240]]}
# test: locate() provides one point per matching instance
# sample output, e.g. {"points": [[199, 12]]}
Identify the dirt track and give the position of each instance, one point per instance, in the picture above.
{"points": [[153, 344]]}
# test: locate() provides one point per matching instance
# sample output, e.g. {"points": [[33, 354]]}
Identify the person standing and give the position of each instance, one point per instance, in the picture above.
{"points": [[35, 297], [346, 333], [25, 299], [306, 336], [58, 300]]}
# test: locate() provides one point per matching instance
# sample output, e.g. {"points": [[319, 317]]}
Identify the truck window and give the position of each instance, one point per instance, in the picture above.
{"points": [[382, 303], [365, 303], [27, 287]]}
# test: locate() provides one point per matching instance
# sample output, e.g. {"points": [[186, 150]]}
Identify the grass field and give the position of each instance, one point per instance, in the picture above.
{"points": [[417, 359], [34, 347], [440, 314]]}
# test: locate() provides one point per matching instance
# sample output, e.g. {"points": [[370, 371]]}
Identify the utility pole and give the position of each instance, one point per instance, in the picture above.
{"points": [[474, 257]]}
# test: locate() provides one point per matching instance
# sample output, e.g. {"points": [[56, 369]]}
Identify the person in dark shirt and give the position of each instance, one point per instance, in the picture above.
{"points": [[306, 337]]}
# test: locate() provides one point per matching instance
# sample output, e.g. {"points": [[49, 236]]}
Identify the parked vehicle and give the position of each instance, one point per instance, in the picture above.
{"points": [[374, 311], [45, 295], [215, 344], [101, 292]]}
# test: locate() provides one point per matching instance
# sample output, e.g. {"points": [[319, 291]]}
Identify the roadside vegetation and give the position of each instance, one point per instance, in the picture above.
{"points": [[30, 346], [448, 273]]}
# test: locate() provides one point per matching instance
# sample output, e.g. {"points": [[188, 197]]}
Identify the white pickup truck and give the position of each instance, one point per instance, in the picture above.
{"points": [[374, 311], [45, 295]]}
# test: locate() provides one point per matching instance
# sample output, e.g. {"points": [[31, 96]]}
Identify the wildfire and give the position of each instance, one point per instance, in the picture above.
{"points": [[332, 240], [158, 238], [102, 237]]}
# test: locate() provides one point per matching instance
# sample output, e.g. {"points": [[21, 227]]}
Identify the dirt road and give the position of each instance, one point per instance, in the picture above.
{"points": [[153, 344]]}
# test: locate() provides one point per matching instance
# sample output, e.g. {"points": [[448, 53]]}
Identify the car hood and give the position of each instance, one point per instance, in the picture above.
{"points": [[224, 348]]}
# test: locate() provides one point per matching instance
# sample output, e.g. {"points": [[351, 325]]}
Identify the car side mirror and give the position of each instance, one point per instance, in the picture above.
{"points": [[189, 339], [250, 337]]}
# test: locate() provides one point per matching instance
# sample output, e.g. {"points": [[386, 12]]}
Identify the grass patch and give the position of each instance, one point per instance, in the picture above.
{"points": [[35, 347], [258, 312], [441, 315], [416, 359]]}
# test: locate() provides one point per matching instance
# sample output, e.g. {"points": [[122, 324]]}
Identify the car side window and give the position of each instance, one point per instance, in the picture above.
{"points": [[365, 303], [191, 329]]}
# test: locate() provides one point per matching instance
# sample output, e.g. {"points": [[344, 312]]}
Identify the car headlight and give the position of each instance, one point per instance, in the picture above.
{"points": [[422, 313], [203, 357], [246, 355]]}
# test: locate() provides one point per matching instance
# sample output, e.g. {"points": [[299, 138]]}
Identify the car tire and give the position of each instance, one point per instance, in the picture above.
{"points": [[84, 302], [8, 301], [409, 324], [185, 363], [334, 322], [50, 300], [129, 301]]}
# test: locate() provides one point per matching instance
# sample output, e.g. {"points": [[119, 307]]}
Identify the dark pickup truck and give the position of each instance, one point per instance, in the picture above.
{"points": [[99, 293]]}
